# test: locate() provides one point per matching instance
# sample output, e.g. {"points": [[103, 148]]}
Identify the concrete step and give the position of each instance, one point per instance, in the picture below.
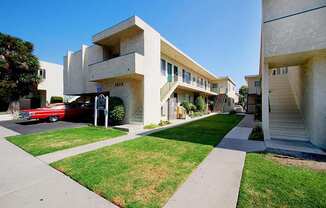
{"points": [[289, 125], [289, 138], [289, 132]]}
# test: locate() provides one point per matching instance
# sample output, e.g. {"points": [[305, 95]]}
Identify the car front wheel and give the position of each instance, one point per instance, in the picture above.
{"points": [[53, 118]]}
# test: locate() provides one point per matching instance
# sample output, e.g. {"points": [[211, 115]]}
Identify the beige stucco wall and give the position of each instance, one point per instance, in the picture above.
{"points": [[252, 89], [129, 90], [295, 76], [53, 83], [314, 100], [296, 34]]}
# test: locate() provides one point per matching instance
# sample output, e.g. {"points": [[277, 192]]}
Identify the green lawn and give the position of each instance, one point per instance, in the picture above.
{"points": [[267, 183], [145, 172], [46, 142]]}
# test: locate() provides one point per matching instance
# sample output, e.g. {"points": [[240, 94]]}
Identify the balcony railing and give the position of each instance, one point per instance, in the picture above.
{"points": [[118, 66]]}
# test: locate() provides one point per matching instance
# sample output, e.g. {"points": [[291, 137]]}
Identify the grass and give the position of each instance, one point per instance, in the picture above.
{"points": [[145, 172], [151, 126], [46, 142], [267, 183]]}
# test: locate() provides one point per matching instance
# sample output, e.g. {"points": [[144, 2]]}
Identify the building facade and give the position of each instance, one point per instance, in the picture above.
{"points": [[227, 97], [254, 93], [133, 61], [51, 84], [293, 70]]}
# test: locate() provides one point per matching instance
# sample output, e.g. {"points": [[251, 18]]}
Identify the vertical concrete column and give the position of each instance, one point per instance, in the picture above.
{"points": [[265, 101], [67, 75]]}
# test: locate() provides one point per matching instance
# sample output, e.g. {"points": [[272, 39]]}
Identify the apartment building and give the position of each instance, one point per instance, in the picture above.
{"points": [[133, 61], [254, 93], [51, 84], [293, 70], [227, 97]]}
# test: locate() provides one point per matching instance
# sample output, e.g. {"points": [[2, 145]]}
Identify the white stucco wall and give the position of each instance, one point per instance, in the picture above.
{"points": [[53, 83]]}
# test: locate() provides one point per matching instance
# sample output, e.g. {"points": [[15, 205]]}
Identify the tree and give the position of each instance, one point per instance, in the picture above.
{"points": [[243, 92], [18, 70]]}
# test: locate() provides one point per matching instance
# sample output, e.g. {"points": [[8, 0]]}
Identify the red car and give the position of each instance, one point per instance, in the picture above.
{"points": [[55, 112]]}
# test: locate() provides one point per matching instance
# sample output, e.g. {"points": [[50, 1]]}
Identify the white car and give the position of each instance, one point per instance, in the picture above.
{"points": [[238, 109]]}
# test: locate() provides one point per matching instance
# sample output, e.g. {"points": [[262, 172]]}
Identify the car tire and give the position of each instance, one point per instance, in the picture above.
{"points": [[53, 119]]}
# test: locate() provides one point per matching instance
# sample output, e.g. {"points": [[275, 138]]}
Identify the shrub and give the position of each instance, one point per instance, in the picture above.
{"points": [[196, 114], [116, 110], [257, 134], [232, 112], [186, 105], [56, 99], [192, 107], [200, 103], [164, 123]]}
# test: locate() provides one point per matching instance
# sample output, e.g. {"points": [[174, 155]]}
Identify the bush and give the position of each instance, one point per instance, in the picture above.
{"points": [[56, 99], [200, 103], [232, 112], [257, 134], [116, 110], [186, 105], [163, 123], [196, 114], [192, 107]]}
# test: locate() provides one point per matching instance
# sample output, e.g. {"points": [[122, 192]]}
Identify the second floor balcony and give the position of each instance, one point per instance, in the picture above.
{"points": [[125, 65]]}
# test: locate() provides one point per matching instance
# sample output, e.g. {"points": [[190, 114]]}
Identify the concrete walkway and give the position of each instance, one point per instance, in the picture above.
{"points": [[27, 182], [216, 181]]}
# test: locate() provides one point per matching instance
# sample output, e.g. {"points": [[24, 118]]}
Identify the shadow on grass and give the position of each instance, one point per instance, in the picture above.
{"points": [[207, 131]]}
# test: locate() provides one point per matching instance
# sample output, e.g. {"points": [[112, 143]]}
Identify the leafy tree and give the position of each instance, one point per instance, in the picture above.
{"points": [[243, 92], [18, 70]]}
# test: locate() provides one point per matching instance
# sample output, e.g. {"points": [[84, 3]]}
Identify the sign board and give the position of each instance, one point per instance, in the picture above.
{"points": [[99, 88], [101, 103], [101, 100]]}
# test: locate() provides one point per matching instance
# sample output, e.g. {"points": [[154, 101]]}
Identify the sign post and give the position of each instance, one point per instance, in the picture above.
{"points": [[106, 111], [95, 112]]}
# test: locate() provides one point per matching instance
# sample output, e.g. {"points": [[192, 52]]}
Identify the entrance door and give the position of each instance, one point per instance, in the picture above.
{"points": [[172, 109], [169, 72]]}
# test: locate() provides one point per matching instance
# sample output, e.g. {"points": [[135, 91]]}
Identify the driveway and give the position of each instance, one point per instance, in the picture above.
{"points": [[27, 127]]}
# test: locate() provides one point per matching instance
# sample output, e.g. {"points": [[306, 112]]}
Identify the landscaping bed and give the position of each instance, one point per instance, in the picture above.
{"points": [[274, 181], [145, 172], [46, 142]]}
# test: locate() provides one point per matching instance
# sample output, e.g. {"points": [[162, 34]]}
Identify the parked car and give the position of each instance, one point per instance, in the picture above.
{"points": [[58, 111], [238, 109]]}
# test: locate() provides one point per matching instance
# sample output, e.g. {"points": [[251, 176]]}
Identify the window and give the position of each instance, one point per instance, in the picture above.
{"points": [[257, 83], [186, 76], [205, 84], [201, 82], [194, 79], [163, 67], [42, 73]]}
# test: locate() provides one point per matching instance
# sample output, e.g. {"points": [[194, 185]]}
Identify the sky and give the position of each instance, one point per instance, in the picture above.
{"points": [[223, 36]]}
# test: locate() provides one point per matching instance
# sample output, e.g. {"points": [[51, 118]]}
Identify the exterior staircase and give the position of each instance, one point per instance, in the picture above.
{"points": [[167, 89], [285, 119], [138, 116]]}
